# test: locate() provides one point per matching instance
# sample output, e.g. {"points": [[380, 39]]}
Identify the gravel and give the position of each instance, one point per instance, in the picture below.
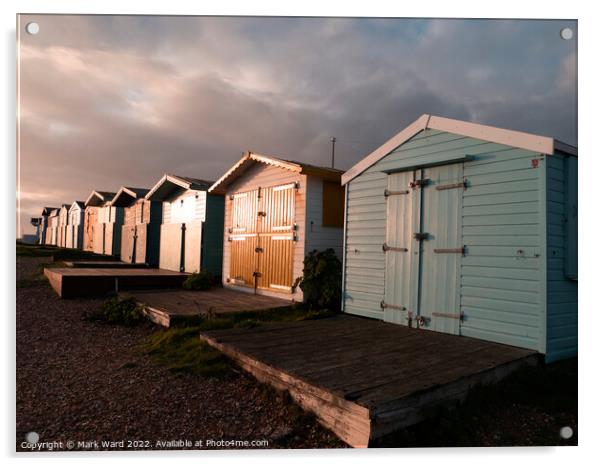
{"points": [[80, 381]]}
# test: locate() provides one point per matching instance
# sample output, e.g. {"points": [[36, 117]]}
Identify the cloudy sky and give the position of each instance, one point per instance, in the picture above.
{"points": [[107, 101]]}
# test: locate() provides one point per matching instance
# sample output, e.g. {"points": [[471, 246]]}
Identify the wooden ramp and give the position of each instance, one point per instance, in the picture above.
{"points": [[166, 307], [84, 282], [364, 378]]}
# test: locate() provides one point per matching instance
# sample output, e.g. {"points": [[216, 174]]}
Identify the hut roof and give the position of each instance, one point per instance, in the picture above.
{"points": [[127, 195], [99, 198], [169, 185], [250, 158]]}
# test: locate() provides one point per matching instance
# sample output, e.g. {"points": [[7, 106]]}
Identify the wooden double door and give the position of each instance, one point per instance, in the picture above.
{"points": [[133, 243], [423, 248], [262, 236]]}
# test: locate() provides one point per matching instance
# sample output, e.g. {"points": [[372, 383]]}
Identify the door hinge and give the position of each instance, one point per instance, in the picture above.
{"points": [[391, 248], [384, 305], [461, 250], [395, 193], [463, 185], [449, 315]]}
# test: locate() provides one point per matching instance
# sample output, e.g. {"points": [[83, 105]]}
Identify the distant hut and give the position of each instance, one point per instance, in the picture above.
{"points": [[191, 225], [63, 226], [36, 222], [43, 231], [277, 211], [53, 226], [75, 228], [100, 221], [141, 228]]}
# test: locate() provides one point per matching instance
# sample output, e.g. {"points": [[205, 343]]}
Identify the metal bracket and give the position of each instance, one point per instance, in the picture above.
{"points": [[391, 248], [261, 213], [421, 236], [449, 315], [384, 305], [258, 249], [442, 187], [461, 250], [395, 193]]}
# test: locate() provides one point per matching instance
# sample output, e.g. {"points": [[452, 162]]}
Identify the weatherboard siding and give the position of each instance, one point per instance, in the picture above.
{"points": [[319, 237], [500, 215], [213, 240], [561, 332]]}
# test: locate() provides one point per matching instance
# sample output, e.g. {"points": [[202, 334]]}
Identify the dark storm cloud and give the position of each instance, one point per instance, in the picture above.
{"points": [[107, 101]]}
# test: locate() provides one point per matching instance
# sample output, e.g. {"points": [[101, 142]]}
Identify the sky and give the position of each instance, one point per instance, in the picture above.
{"points": [[110, 101]]}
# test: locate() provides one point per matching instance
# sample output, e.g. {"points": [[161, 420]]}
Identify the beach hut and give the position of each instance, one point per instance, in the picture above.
{"points": [[466, 229], [101, 220], [53, 227], [43, 231], [191, 224], [276, 212], [63, 225], [75, 227], [141, 228]]}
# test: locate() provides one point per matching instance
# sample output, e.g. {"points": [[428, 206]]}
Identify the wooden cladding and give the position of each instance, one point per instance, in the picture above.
{"points": [[139, 212], [262, 245], [90, 225], [333, 202]]}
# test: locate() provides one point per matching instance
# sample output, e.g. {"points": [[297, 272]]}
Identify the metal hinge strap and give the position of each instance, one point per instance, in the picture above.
{"points": [[395, 193], [391, 248], [461, 250], [384, 305], [459, 316], [442, 187]]}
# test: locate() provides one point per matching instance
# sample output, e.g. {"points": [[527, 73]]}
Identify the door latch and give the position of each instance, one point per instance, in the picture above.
{"points": [[419, 183], [421, 321], [421, 236]]}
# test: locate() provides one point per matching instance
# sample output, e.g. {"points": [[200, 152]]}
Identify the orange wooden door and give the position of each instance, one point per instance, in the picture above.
{"points": [[243, 237], [276, 231], [91, 220]]}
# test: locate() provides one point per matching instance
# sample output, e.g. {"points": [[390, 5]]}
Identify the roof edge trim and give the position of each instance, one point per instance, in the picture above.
{"points": [[540, 144]]}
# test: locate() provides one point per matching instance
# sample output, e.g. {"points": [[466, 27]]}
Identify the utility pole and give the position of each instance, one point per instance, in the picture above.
{"points": [[333, 140]]}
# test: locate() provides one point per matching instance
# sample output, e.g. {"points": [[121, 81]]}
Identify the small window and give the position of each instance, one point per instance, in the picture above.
{"points": [[333, 201]]}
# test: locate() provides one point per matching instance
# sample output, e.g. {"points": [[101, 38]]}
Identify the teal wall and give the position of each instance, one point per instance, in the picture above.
{"points": [[153, 240], [503, 275], [213, 235], [561, 332]]}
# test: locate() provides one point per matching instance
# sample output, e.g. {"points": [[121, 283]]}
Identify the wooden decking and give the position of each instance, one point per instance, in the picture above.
{"points": [[364, 378], [83, 282], [166, 307]]}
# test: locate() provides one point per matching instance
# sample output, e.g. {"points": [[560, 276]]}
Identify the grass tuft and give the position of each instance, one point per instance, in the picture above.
{"points": [[118, 311], [182, 351]]}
